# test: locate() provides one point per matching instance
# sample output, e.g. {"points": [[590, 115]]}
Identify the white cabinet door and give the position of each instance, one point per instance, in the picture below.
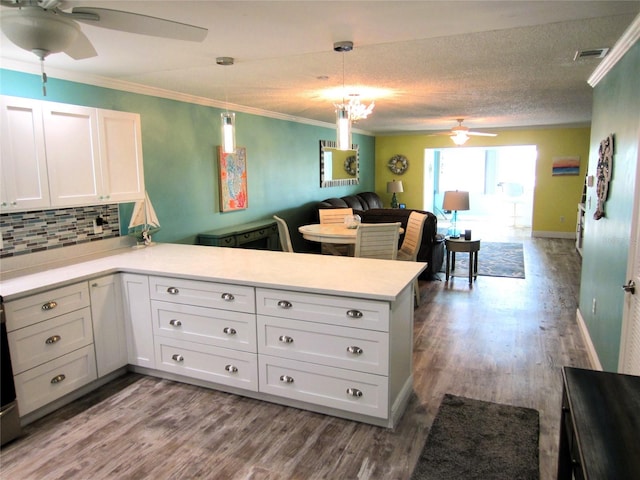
{"points": [[121, 156], [109, 332], [138, 321], [23, 167], [71, 142]]}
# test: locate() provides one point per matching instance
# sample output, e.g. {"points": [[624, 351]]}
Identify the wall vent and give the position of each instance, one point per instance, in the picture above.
{"points": [[591, 53]]}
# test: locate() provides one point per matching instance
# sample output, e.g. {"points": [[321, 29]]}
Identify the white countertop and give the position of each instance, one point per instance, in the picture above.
{"points": [[344, 276]]}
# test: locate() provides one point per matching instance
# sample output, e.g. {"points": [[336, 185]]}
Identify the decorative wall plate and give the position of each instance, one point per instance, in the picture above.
{"points": [[398, 164]]}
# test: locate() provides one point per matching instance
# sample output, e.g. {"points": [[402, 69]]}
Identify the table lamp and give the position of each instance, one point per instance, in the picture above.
{"points": [[454, 201], [395, 186]]}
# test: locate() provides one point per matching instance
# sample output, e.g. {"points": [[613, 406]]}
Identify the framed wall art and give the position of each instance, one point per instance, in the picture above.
{"points": [[232, 168], [565, 166]]}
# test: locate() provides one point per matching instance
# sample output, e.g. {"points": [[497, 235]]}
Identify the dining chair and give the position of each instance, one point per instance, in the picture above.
{"points": [[283, 232], [411, 245], [377, 240], [334, 215]]}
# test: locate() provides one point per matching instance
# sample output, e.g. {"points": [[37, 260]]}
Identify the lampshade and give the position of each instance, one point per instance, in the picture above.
{"points": [[395, 186], [455, 200], [343, 128]]}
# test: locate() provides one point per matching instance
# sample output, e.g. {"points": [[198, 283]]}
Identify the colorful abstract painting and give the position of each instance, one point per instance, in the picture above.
{"points": [[233, 179], [566, 166]]}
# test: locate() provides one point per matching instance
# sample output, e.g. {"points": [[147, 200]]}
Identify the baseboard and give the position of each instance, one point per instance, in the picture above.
{"points": [[591, 351], [543, 234]]}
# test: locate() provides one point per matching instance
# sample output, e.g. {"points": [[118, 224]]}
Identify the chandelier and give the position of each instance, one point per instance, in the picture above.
{"points": [[356, 109]]}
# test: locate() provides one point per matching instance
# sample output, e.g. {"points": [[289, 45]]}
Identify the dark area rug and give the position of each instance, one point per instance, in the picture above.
{"points": [[495, 259], [476, 440]]}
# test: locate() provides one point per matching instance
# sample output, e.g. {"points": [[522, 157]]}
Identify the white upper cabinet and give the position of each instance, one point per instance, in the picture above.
{"points": [[59, 155], [121, 156], [23, 167]]}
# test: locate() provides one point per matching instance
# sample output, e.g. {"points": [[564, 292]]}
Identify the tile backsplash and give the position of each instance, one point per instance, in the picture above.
{"points": [[36, 231]]}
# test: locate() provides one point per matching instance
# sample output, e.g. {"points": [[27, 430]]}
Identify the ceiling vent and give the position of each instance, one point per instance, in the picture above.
{"points": [[591, 53]]}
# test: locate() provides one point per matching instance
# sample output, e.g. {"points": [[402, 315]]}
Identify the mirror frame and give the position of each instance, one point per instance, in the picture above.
{"points": [[328, 182]]}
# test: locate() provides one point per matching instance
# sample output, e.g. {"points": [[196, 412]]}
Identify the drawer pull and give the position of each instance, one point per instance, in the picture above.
{"points": [[286, 379], [231, 368], [285, 304], [58, 378], [175, 323], [355, 350], [285, 339], [173, 291], [354, 392], [50, 305], [228, 297], [229, 331], [176, 357], [354, 314], [53, 339]]}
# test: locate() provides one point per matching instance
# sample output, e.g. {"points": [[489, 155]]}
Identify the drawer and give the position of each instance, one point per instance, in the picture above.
{"points": [[254, 235], [40, 343], [50, 381], [343, 347], [42, 306], [204, 294], [348, 312], [222, 328], [204, 362], [327, 386]]}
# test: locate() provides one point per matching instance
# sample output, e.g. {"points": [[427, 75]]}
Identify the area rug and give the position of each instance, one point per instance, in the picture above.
{"points": [[495, 259], [476, 440]]}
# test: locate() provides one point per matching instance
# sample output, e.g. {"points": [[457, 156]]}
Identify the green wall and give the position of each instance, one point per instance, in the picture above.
{"points": [[554, 197], [616, 109], [179, 142]]}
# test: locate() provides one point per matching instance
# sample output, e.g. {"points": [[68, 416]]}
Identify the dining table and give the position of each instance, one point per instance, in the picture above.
{"points": [[331, 234]]}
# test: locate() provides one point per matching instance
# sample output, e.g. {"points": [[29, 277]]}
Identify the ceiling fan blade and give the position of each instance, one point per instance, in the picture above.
{"points": [[481, 134], [81, 48], [141, 24]]}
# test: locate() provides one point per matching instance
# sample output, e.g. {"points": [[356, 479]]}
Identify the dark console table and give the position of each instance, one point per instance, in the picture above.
{"points": [[600, 427], [261, 234]]}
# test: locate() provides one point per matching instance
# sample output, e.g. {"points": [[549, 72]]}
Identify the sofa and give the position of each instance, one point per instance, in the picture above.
{"points": [[371, 210]]}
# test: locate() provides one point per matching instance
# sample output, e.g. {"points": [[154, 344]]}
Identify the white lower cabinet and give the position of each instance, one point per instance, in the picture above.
{"points": [[109, 332], [137, 314]]}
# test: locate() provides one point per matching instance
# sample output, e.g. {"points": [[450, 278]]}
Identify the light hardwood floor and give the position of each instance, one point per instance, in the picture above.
{"points": [[503, 340]]}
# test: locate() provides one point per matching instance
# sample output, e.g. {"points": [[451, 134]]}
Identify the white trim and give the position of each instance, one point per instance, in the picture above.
{"points": [[551, 234], [591, 350], [131, 87], [622, 46]]}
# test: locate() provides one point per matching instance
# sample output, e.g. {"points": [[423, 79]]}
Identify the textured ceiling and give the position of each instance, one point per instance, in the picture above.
{"points": [[496, 64]]}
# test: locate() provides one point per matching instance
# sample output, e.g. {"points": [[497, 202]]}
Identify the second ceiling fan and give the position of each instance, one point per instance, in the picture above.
{"points": [[460, 134]]}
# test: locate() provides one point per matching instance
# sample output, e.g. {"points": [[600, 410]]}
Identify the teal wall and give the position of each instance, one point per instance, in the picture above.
{"points": [[179, 142], [616, 109]]}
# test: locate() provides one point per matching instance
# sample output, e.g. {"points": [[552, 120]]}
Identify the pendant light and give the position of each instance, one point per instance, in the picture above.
{"points": [[343, 119], [228, 120]]}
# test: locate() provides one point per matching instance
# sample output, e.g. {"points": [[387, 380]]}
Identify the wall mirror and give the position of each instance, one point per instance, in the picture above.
{"points": [[338, 167]]}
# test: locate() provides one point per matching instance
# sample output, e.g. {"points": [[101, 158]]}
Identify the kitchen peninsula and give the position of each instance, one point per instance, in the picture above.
{"points": [[322, 333]]}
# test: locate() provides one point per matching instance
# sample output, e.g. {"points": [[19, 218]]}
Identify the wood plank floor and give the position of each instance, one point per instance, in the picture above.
{"points": [[503, 340]]}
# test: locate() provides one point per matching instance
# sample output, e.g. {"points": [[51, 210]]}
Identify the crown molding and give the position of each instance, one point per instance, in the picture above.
{"points": [[131, 87], [622, 46]]}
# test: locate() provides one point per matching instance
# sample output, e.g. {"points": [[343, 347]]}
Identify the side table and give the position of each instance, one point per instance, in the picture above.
{"points": [[454, 245]]}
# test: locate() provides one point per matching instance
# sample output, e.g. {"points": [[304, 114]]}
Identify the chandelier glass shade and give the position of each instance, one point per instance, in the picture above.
{"points": [[343, 128]]}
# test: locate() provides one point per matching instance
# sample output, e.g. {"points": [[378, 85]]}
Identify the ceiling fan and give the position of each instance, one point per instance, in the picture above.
{"points": [[460, 134], [41, 27]]}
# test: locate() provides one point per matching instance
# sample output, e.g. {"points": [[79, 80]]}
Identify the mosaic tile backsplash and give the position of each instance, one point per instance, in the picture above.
{"points": [[30, 232]]}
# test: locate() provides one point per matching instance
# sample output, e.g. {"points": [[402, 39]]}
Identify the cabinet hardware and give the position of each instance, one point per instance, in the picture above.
{"points": [[228, 297], [94, 285], [176, 357], [355, 350], [231, 368], [285, 339], [175, 323], [630, 287], [58, 378], [285, 304], [173, 291], [354, 314], [50, 305], [229, 331], [354, 392], [53, 339], [286, 379]]}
